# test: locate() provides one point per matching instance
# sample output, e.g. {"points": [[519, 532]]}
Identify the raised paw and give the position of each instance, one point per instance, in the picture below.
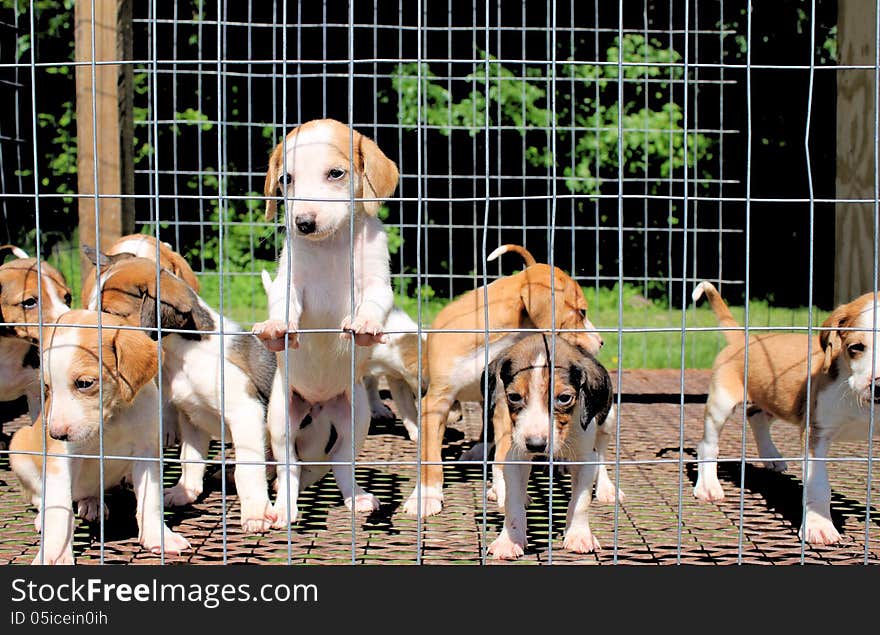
{"points": [[505, 548], [366, 332], [818, 530], [172, 543], [87, 509], [257, 517], [273, 332], [180, 495], [431, 503], [363, 502], [580, 541], [708, 491]]}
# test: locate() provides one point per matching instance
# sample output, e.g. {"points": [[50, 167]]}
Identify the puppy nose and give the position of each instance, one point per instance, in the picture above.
{"points": [[876, 390], [59, 434], [536, 444], [305, 223]]}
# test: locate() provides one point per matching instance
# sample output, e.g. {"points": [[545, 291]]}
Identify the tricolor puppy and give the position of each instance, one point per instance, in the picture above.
{"points": [[143, 246], [196, 373], [318, 168], [79, 390], [844, 387], [455, 361], [20, 311], [519, 403]]}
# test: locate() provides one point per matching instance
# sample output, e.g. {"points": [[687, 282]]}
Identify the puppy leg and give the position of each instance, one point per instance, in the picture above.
{"points": [[511, 542], [502, 429], [89, 508], [153, 534], [606, 492], [818, 529], [406, 406], [194, 443], [378, 409], [56, 542], [354, 495], [719, 407], [760, 422], [283, 439], [247, 427], [429, 501], [578, 536]]}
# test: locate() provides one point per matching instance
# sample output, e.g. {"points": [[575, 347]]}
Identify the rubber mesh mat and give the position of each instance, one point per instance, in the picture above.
{"points": [[659, 522]]}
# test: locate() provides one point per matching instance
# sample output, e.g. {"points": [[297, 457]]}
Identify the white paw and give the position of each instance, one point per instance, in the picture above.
{"points": [[412, 430], [273, 332], [819, 530], [364, 502], [257, 517], [284, 518], [173, 543], [87, 509], [504, 548], [431, 503], [709, 491], [181, 495], [607, 493], [580, 541], [65, 557], [366, 332]]}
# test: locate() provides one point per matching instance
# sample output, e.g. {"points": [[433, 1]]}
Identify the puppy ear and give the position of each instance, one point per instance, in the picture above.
{"points": [[830, 340], [180, 268], [7, 250], [179, 309], [489, 383], [271, 186], [95, 257], [595, 392], [137, 361], [380, 174]]}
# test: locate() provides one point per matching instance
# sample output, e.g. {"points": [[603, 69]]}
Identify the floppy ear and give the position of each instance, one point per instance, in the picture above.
{"points": [[137, 361], [181, 269], [595, 392], [380, 174], [94, 256], [7, 250], [179, 309], [271, 185], [830, 340], [493, 385]]}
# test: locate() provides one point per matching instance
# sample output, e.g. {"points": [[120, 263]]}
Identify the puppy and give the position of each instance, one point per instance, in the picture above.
{"points": [[143, 246], [843, 385], [20, 310], [397, 360], [195, 374], [518, 399], [455, 361], [76, 388], [313, 289]]}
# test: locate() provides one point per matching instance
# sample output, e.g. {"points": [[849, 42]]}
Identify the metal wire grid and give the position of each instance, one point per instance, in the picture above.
{"points": [[496, 193]]}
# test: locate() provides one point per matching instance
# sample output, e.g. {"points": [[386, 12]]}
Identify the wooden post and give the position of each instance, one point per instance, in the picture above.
{"points": [[856, 100], [110, 109]]}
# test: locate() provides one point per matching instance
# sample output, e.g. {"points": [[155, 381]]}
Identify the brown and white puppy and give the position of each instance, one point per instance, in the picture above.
{"points": [[519, 402], [20, 311], [197, 372], [144, 246], [317, 168], [843, 385], [455, 360], [79, 391]]}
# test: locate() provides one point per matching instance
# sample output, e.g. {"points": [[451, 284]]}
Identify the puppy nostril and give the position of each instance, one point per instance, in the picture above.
{"points": [[535, 444], [59, 437], [876, 390], [305, 224]]}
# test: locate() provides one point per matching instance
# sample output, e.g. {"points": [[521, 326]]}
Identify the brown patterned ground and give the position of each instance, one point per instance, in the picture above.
{"points": [[659, 523]]}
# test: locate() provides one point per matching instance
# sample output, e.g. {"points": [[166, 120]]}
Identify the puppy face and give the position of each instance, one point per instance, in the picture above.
{"points": [[853, 349], [74, 377], [313, 170], [20, 296], [128, 291], [519, 385]]}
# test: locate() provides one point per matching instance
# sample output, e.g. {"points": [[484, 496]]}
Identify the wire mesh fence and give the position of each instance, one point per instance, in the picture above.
{"points": [[640, 148]]}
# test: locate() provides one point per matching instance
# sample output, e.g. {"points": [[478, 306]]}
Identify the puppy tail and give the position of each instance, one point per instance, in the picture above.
{"points": [[18, 252], [725, 317], [522, 251], [267, 280]]}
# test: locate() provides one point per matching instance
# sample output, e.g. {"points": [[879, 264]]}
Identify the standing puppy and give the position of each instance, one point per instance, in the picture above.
{"points": [[318, 168], [20, 312], [78, 392], [519, 399]]}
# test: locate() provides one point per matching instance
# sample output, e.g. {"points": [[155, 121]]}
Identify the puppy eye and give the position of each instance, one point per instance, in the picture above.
{"points": [[335, 174], [565, 399], [84, 383], [29, 303], [514, 397], [582, 313], [67, 299], [285, 179], [855, 349]]}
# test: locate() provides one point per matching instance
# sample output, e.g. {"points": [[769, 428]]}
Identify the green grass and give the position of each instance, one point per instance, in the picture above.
{"points": [[245, 302]]}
